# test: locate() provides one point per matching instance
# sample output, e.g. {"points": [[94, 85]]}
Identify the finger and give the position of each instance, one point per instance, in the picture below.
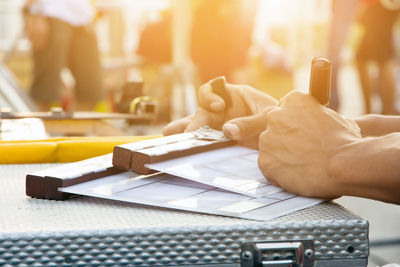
{"points": [[210, 100], [245, 127], [202, 117], [178, 126], [298, 99]]}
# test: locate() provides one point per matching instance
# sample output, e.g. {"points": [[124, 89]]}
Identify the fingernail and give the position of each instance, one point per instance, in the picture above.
{"points": [[217, 106], [231, 131]]}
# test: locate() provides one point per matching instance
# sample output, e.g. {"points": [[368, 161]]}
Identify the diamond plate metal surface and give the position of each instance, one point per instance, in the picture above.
{"points": [[94, 232]]}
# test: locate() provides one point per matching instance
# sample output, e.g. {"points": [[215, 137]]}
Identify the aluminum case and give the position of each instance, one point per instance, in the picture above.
{"points": [[86, 231]]}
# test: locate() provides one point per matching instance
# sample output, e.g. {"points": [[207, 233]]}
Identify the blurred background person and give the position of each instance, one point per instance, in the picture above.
{"points": [[61, 33], [221, 36], [155, 48], [155, 40], [377, 46]]}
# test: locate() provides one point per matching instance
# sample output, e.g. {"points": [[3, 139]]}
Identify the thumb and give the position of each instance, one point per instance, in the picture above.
{"points": [[244, 127], [209, 100]]}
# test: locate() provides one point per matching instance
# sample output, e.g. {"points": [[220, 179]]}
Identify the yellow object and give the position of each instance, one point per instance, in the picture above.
{"points": [[102, 106], [68, 149], [134, 107]]}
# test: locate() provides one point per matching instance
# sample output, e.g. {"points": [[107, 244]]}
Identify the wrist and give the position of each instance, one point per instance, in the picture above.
{"points": [[340, 166], [368, 168]]}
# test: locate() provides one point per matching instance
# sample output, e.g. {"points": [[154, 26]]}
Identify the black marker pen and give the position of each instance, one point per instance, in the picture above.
{"points": [[320, 80]]}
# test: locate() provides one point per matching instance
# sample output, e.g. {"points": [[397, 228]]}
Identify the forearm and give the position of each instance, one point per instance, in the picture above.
{"points": [[369, 168], [378, 125]]}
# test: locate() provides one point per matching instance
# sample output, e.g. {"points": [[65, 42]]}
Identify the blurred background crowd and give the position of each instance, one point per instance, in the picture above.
{"points": [[79, 54]]}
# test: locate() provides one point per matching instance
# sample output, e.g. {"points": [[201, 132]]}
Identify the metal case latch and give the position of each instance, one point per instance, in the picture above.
{"points": [[271, 253]]}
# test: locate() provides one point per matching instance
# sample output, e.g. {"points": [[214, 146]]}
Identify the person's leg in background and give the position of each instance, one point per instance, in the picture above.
{"points": [[84, 63], [366, 84], [343, 13], [48, 63], [388, 71]]}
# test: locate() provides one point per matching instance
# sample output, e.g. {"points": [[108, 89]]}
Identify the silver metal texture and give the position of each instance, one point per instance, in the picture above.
{"points": [[94, 232]]}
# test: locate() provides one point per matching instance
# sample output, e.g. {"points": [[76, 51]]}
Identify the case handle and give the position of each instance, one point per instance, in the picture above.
{"points": [[279, 253]]}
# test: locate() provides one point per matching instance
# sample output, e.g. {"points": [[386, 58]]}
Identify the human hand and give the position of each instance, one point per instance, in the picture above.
{"points": [[300, 140], [37, 31], [240, 121]]}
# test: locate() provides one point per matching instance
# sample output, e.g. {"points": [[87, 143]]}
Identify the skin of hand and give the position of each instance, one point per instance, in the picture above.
{"points": [[37, 30], [308, 149], [239, 122], [312, 151], [378, 125], [301, 138]]}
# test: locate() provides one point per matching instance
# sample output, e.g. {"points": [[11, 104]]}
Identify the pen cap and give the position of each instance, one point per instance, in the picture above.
{"points": [[320, 80]]}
